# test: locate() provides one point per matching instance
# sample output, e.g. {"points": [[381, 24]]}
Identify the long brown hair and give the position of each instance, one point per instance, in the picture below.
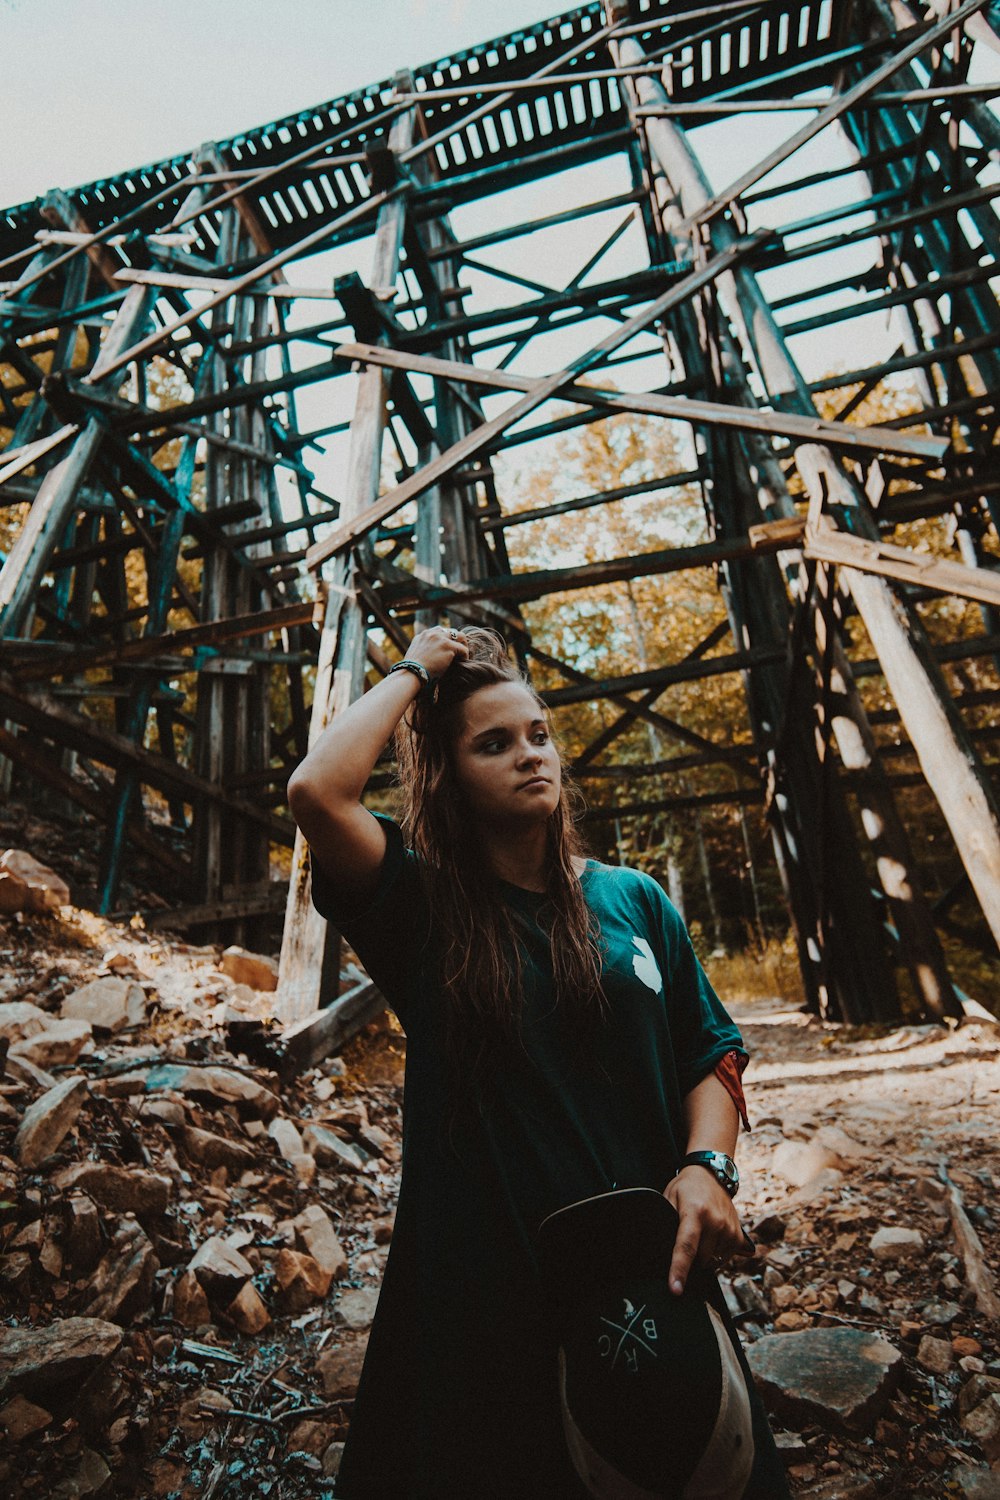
{"points": [[475, 930]]}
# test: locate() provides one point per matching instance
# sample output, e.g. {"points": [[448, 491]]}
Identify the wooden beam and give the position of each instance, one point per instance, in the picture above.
{"points": [[212, 633], [537, 392], [824, 543], [952, 769], [46, 716]]}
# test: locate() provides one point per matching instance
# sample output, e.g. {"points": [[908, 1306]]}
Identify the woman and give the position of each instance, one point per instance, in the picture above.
{"points": [[562, 1041]]}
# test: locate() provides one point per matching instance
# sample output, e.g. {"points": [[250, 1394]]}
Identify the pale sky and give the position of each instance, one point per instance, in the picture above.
{"points": [[92, 87]]}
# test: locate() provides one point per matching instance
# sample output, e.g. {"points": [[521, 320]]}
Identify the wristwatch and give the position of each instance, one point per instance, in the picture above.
{"points": [[721, 1166]]}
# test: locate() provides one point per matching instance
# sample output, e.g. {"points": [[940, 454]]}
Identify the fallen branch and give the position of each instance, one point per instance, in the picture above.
{"points": [[977, 1273]]}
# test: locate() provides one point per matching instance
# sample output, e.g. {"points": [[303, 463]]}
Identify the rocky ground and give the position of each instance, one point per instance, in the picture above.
{"points": [[190, 1249]]}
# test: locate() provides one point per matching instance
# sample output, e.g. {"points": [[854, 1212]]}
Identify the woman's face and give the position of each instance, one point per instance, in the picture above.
{"points": [[505, 761]]}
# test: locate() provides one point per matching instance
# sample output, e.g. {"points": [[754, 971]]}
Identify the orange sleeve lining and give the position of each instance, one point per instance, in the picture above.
{"points": [[729, 1072]]}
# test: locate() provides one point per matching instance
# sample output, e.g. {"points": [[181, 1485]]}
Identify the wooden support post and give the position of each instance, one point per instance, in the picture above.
{"points": [[340, 668], [29, 557], [951, 766]]}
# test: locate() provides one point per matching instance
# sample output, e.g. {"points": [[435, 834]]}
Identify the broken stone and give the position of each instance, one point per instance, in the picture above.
{"points": [[974, 1484], [90, 1476], [57, 1046], [976, 1390], [201, 1411], [122, 1189], [25, 1071], [983, 1423], [21, 1417], [331, 1459], [14, 894], [382, 1229], [376, 1140], [769, 1228], [301, 1279], [934, 1355], [286, 1137], [835, 1376], [355, 1308], [339, 1368], [82, 1232], [800, 1161], [896, 1243], [319, 1238], [45, 890], [48, 1121], [109, 1004], [211, 1085], [191, 1307], [247, 1310], [844, 1146], [215, 1150], [966, 1348], [20, 1019], [940, 1314], [220, 1269], [330, 1151], [792, 1321], [253, 969], [123, 1283], [35, 1360]]}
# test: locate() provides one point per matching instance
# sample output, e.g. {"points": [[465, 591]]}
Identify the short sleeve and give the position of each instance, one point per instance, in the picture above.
{"points": [[703, 1031], [389, 934]]}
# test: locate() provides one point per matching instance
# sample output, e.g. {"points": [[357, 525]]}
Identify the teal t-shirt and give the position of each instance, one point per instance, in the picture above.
{"points": [[460, 1342]]}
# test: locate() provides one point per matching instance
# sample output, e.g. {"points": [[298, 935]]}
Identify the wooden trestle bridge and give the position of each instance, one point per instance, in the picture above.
{"points": [[257, 581]]}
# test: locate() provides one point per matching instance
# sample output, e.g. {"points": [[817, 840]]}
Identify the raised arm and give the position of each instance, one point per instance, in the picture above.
{"points": [[325, 789]]}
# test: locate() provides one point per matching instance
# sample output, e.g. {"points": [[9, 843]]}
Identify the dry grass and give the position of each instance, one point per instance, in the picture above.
{"points": [[753, 974]]}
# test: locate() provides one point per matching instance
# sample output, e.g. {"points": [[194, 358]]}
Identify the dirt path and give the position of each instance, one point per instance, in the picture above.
{"points": [[849, 1133], [185, 1214]]}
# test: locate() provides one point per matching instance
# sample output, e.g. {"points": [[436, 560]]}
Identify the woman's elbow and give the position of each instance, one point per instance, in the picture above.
{"points": [[303, 797]]}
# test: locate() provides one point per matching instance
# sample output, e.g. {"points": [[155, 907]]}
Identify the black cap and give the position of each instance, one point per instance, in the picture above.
{"points": [[655, 1405]]}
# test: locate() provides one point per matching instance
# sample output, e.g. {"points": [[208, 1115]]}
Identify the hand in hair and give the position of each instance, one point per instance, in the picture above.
{"points": [[436, 649], [325, 790]]}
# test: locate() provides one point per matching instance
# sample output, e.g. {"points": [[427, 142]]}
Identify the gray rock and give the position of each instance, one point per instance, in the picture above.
{"points": [[798, 1162], [59, 1045], [122, 1189], [220, 1269], [211, 1085], [935, 1355], [48, 1121], [215, 1150], [339, 1367], [20, 1019], [355, 1308], [840, 1377], [976, 1390], [330, 1151], [34, 1361], [108, 1004], [975, 1484], [319, 1239], [983, 1423], [894, 1243], [123, 1282], [940, 1314], [89, 1476], [850, 1485]]}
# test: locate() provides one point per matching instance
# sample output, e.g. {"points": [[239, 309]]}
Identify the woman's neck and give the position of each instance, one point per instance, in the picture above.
{"points": [[522, 859]]}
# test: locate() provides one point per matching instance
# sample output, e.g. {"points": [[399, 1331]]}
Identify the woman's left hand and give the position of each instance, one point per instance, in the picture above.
{"points": [[710, 1230]]}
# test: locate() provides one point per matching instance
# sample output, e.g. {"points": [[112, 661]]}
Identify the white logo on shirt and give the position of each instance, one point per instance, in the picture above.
{"points": [[645, 966]]}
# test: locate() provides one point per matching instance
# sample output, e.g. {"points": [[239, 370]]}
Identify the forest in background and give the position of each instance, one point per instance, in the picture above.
{"points": [[712, 854]]}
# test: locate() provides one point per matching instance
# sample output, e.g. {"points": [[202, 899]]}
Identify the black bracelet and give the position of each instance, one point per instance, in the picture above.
{"points": [[416, 667]]}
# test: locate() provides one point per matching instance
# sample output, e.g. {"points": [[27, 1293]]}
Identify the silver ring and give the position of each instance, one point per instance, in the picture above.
{"points": [[454, 634]]}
